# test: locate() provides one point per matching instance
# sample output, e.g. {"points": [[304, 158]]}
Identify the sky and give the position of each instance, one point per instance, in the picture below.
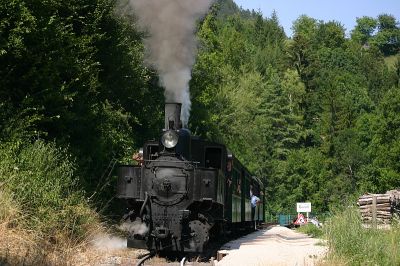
{"points": [[344, 11]]}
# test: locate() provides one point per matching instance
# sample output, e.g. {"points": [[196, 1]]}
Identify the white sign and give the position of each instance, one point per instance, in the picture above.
{"points": [[304, 207]]}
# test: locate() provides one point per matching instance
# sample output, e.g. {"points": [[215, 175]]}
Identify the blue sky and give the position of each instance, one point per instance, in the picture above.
{"points": [[344, 11]]}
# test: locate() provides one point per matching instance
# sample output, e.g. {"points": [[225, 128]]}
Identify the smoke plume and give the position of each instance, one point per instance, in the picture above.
{"points": [[109, 242], [104, 241], [135, 227], [171, 44]]}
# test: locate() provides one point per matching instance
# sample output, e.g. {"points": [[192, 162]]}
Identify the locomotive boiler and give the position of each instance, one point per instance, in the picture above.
{"points": [[185, 191]]}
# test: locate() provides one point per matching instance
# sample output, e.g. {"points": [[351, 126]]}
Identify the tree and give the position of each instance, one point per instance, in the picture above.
{"points": [[364, 30], [331, 34], [388, 37], [301, 49], [75, 71], [386, 22]]}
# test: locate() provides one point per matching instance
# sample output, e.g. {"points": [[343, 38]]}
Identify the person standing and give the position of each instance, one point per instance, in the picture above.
{"points": [[254, 201]]}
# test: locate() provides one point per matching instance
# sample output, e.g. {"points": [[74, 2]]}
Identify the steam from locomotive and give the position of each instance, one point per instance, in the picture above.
{"points": [[171, 44]]}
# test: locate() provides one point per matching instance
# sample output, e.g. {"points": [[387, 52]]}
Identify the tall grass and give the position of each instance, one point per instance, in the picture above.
{"points": [[353, 244], [42, 210], [311, 230]]}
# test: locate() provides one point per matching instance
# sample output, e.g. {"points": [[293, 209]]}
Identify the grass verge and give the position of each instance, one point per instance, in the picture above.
{"points": [[350, 243], [311, 230], [44, 217]]}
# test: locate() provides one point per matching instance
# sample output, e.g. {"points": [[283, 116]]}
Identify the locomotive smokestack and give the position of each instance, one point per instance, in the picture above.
{"points": [[173, 116]]}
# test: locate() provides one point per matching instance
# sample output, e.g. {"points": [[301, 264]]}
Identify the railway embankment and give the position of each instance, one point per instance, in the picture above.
{"points": [[275, 245]]}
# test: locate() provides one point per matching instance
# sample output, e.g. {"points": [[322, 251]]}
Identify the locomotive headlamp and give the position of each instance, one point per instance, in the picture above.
{"points": [[169, 139]]}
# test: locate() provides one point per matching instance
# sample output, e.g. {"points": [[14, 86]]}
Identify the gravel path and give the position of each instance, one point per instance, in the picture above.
{"points": [[276, 245]]}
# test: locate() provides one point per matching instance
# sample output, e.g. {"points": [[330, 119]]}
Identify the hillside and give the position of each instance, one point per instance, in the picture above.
{"points": [[315, 116]]}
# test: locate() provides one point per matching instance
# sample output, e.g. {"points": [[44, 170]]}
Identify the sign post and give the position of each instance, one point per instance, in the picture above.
{"points": [[304, 207]]}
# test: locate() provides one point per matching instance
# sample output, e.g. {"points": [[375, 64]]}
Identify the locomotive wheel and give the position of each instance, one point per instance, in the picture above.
{"points": [[199, 233]]}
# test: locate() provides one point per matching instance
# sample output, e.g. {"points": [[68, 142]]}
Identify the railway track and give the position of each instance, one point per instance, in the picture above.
{"points": [[205, 259]]}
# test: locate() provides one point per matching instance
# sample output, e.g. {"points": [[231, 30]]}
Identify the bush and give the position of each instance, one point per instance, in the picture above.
{"points": [[40, 178], [9, 209], [351, 242], [311, 230]]}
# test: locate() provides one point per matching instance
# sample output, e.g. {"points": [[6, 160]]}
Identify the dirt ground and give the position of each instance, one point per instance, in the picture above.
{"points": [[278, 246]]}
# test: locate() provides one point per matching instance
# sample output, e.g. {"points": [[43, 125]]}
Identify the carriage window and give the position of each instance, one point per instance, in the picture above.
{"points": [[213, 157]]}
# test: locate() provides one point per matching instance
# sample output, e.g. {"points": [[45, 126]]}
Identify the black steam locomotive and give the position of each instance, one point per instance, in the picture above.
{"points": [[185, 191]]}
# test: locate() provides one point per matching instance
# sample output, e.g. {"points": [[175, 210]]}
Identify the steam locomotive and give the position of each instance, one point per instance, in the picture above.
{"points": [[185, 191]]}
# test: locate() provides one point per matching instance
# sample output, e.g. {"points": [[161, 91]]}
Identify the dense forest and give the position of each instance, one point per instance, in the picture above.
{"points": [[316, 114]]}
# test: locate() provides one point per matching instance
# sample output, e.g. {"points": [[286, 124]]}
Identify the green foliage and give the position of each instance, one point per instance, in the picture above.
{"points": [[349, 241], [73, 73], [331, 34], [41, 180], [385, 144], [303, 113], [364, 29], [382, 32], [311, 230]]}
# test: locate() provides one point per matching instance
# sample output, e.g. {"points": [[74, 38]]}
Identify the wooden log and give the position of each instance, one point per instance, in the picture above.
{"points": [[380, 211], [376, 195], [370, 198], [369, 219], [379, 208], [377, 217], [379, 221], [369, 214], [366, 212], [378, 202], [381, 205], [380, 215], [369, 201]]}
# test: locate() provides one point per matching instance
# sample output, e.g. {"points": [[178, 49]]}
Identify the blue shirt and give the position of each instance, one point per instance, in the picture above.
{"points": [[254, 200]]}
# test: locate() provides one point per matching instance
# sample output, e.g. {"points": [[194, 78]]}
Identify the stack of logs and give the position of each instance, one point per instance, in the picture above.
{"points": [[395, 201], [380, 207]]}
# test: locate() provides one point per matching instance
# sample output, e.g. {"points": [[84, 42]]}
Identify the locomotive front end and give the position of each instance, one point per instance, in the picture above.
{"points": [[167, 188]]}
